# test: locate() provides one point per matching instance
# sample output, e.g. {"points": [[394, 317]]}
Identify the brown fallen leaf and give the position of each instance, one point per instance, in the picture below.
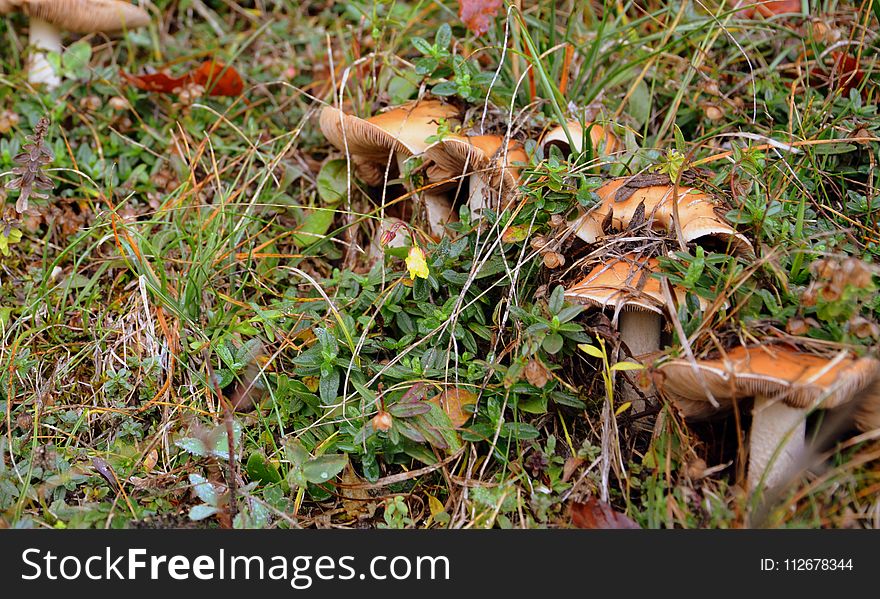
{"points": [[536, 373], [217, 79], [593, 513], [454, 401], [477, 15]]}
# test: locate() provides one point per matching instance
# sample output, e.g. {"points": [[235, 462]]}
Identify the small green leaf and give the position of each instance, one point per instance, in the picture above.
{"points": [[557, 299], [262, 470], [295, 452], [552, 343], [76, 58], [324, 467], [333, 181], [203, 489]]}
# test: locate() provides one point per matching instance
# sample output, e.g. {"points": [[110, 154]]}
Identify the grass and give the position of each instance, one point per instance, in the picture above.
{"points": [[195, 258]]}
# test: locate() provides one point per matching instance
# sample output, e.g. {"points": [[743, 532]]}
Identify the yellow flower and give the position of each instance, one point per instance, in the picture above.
{"points": [[415, 262]]}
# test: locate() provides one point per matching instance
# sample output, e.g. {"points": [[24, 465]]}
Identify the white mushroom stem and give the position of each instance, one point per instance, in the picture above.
{"points": [[437, 206], [438, 209], [776, 441], [479, 195], [640, 332], [44, 37]]}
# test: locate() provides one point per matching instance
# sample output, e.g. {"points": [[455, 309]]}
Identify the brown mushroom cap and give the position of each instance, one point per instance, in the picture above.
{"points": [[402, 130], [799, 379], [84, 16], [598, 135], [456, 155], [697, 210], [624, 281]]}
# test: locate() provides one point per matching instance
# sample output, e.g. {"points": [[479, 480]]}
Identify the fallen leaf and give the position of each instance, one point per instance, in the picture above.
{"points": [[597, 514], [570, 467], [770, 8], [845, 74], [477, 15], [536, 373], [218, 79], [213, 75], [453, 401]]}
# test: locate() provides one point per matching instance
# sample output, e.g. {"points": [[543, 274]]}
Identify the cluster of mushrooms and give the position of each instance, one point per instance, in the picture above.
{"points": [[49, 19], [783, 382]]}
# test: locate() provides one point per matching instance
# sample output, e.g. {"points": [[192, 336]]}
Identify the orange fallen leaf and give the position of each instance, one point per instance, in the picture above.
{"points": [[771, 8], [454, 401], [477, 15], [597, 514], [217, 79]]}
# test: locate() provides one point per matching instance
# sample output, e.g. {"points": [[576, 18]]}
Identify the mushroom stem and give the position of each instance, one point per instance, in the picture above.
{"points": [[438, 207], [776, 442], [640, 332], [44, 37], [478, 195], [439, 211]]}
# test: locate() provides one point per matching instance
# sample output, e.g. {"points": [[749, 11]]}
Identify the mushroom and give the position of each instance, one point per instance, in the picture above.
{"points": [[49, 18], [603, 140], [786, 385], [402, 132], [489, 164], [626, 284], [697, 211]]}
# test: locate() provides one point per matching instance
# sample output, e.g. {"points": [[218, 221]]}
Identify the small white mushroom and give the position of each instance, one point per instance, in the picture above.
{"points": [[50, 18]]}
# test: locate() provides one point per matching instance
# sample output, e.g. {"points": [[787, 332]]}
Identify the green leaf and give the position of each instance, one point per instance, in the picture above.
{"points": [[324, 467], [329, 387], [203, 489], [640, 103], [519, 430], [76, 58], [557, 299], [444, 36], [295, 452], [262, 470], [552, 343], [408, 409], [422, 45], [333, 181]]}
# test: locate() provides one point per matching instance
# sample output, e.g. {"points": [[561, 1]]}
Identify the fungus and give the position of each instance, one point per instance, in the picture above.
{"points": [[602, 139], [697, 211], [484, 160], [786, 385], [49, 18], [401, 132], [626, 284]]}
